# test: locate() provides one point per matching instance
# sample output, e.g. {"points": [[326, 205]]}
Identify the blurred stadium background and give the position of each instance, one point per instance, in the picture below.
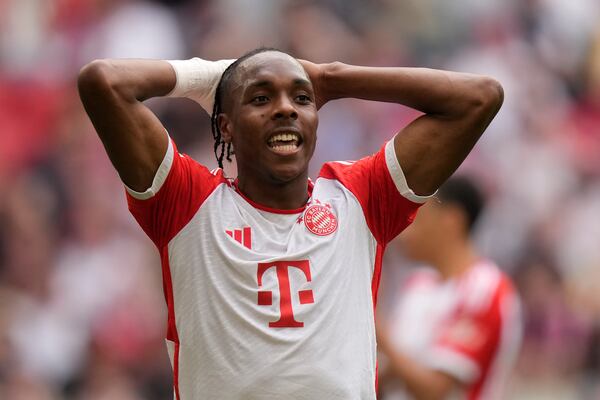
{"points": [[81, 308]]}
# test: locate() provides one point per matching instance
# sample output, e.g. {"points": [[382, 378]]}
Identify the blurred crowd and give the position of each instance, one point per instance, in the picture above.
{"points": [[82, 314]]}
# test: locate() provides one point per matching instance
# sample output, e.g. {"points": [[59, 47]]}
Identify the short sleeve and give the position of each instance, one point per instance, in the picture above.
{"points": [[179, 188], [379, 184], [467, 342]]}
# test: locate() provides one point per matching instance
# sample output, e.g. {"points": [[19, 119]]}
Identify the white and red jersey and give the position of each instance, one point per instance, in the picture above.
{"points": [[273, 304], [468, 327]]}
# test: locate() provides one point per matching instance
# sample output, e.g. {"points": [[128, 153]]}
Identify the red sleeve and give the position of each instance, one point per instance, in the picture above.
{"points": [[467, 344], [179, 188], [379, 184], [469, 340]]}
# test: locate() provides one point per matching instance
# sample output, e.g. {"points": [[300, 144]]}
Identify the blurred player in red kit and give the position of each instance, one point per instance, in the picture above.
{"points": [[270, 278], [456, 329]]}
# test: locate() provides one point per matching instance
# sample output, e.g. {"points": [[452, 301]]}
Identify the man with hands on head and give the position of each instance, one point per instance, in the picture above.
{"points": [[271, 279]]}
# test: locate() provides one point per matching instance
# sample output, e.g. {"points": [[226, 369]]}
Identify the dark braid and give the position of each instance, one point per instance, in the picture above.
{"points": [[221, 147]]}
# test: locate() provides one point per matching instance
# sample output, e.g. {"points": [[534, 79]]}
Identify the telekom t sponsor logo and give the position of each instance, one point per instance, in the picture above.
{"points": [[265, 297]]}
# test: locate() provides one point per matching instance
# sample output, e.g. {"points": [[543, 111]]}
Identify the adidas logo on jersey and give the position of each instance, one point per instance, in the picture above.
{"points": [[242, 236]]}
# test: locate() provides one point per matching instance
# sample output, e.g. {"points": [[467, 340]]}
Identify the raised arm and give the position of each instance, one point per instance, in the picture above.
{"points": [[112, 92], [458, 107]]}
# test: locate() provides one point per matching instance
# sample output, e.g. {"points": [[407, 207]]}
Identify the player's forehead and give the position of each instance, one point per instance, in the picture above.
{"points": [[270, 65]]}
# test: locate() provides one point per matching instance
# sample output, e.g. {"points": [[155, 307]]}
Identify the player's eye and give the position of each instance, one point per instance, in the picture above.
{"points": [[260, 99], [303, 98]]}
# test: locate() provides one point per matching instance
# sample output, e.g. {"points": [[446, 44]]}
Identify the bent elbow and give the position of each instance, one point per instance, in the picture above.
{"points": [[94, 76], [488, 95], [99, 78]]}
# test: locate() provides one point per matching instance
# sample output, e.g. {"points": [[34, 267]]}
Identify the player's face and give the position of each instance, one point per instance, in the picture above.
{"points": [[273, 119]]}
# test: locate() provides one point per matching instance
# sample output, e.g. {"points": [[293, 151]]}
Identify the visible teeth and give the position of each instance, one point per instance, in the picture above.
{"points": [[284, 137], [285, 147]]}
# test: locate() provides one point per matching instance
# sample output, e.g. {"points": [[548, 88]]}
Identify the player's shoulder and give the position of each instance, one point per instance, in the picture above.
{"points": [[216, 175], [341, 168], [192, 180], [336, 169], [484, 285], [336, 176], [357, 176]]}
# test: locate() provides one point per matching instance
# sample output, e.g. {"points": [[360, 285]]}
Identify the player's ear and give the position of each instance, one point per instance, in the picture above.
{"points": [[225, 127]]}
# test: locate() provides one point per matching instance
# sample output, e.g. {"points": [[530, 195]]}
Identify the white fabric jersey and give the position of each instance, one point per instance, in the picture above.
{"points": [[468, 327], [273, 304]]}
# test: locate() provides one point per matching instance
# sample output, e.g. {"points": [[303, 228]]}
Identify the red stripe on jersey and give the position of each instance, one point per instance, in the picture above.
{"points": [[237, 235], [376, 376], [247, 237], [495, 319], [172, 334], [374, 289], [377, 272], [176, 372], [230, 233]]}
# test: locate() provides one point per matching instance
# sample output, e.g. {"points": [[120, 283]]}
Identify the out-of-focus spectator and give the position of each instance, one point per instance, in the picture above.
{"points": [[454, 330], [551, 323], [81, 309]]}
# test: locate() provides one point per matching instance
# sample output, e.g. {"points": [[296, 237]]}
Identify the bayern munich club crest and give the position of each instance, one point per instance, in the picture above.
{"points": [[320, 220]]}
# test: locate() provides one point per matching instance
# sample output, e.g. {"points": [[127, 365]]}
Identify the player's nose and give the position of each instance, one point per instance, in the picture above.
{"points": [[284, 108]]}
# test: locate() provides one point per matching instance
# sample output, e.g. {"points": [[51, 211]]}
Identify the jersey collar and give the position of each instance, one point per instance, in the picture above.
{"points": [[274, 210]]}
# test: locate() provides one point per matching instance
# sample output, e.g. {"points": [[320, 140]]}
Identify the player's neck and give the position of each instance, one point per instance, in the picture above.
{"points": [[288, 196], [455, 260]]}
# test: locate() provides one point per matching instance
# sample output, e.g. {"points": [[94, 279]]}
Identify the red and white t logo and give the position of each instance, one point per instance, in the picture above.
{"points": [[265, 297]]}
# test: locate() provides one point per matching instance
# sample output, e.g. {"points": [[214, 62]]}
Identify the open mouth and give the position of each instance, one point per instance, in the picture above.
{"points": [[285, 142]]}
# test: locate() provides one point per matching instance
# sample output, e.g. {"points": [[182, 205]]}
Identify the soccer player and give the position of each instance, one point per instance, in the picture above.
{"points": [[457, 327], [271, 279]]}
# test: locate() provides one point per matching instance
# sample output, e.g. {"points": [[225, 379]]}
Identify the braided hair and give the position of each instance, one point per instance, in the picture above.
{"points": [[222, 149]]}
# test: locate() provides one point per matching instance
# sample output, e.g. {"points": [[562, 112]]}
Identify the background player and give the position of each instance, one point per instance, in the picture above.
{"points": [[456, 328], [271, 265]]}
